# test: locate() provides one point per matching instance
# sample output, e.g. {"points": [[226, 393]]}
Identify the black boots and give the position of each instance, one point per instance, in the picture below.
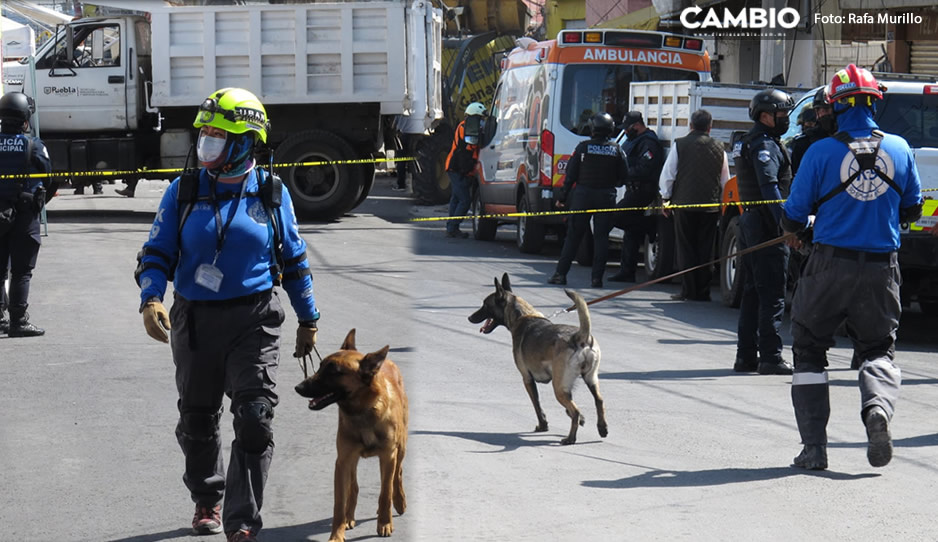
{"points": [[4, 323], [879, 451], [20, 327], [812, 457]]}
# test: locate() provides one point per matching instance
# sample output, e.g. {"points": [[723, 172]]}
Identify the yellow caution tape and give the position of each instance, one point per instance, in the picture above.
{"points": [[143, 171]]}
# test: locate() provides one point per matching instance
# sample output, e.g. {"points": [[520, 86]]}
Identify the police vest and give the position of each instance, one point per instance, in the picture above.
{"points": [[747, 182], [599, 161], [15, 152]]}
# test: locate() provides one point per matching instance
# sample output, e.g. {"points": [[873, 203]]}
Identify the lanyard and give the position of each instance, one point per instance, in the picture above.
{"points": [[222, 231]]}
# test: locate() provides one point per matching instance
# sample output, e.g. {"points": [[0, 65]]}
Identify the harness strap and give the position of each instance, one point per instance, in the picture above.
{"points": [[865, 162]]}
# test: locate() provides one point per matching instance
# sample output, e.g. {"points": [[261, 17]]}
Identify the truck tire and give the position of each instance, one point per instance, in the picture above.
{"points": [[531, 232], [731, 270], [320, 192], [659, 248], [431, 183], [483, 229], [368, 170]]}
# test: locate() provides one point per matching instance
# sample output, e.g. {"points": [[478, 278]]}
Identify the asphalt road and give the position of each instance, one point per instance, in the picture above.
{"points": [[694, 452]]}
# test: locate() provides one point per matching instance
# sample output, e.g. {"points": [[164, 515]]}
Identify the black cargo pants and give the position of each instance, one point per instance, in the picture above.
{"points": [[227, 348]]}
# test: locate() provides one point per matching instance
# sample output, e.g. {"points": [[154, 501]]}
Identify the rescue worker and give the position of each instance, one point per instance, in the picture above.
{"points": [[763, 172], [646, 158], [21, 202], [219, 231], [596, 167], [820, 129], [461, 165], [860, 185]]}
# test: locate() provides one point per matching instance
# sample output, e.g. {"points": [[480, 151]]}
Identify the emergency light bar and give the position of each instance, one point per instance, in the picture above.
{"points": [[618, 38]]}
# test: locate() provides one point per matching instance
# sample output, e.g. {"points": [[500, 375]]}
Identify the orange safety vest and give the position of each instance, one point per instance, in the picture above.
{"points": [[457, 138]]}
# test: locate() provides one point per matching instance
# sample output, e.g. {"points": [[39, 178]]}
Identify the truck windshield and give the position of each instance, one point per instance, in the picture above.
{"points": [[912, 116], [604, 88]]}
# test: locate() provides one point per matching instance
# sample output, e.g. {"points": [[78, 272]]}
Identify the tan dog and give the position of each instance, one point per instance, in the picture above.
{"points": [[372, 421], [546, 352]]}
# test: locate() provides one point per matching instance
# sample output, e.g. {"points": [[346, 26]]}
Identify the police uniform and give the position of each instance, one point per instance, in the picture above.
{"points": [[645, 158], [19, 246], [596, 167], [853, 272], [763, 172], [800, 145], [226, 337]]}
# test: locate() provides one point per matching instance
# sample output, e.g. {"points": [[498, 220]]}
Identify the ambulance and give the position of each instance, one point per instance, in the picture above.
{"points": [[544, 99]]}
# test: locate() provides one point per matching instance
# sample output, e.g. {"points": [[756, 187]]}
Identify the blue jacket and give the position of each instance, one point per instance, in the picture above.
{"points": [[246, 256], [14, 161], [864, 217]]}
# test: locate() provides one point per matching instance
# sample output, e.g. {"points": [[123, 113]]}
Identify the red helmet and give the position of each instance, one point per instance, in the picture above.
{"points": [[851, 82]]}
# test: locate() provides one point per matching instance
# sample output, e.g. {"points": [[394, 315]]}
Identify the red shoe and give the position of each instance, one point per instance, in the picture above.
{"points": [[207, 520], [241, 536]]}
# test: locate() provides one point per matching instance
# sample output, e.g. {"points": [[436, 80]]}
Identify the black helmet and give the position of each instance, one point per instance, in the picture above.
{"points": [[16, 107], [820, 99], [806, 115], [770, 100], [601, 124]]}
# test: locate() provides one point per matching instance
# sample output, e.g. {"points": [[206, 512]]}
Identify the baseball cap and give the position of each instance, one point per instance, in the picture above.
{"points": [[631, 118]]}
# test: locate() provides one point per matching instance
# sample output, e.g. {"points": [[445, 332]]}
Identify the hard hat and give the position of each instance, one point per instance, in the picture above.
{"points": [[475, 108], [234, 110], [852, 82]]}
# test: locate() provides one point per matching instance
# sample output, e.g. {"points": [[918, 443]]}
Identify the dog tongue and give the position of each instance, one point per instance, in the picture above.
{"points": [[485, 326]]}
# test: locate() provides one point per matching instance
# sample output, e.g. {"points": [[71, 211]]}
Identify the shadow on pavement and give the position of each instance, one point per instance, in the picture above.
{"points": [[155, 537], [909, 442], [715, 477], [684, 374], [508, 441]]}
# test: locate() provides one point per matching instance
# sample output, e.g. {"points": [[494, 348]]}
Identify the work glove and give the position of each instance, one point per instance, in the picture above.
{"points": [[156, 320], [305, 340]]}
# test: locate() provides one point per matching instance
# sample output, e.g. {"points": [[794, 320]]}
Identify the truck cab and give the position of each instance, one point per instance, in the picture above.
{"points": [[91, 84]]}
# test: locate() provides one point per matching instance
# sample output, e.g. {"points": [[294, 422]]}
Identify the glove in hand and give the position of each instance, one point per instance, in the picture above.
{"points": [[305, 339], [156, 321]]}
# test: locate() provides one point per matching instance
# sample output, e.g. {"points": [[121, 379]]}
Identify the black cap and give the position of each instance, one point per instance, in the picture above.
{"points": [[631, 118]]}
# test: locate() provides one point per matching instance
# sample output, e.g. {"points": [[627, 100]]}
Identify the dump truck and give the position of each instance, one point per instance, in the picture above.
{"points": [[119, 94]]}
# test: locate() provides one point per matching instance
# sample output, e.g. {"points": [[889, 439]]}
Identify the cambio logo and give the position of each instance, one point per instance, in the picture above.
{"points": [[747, 18]]}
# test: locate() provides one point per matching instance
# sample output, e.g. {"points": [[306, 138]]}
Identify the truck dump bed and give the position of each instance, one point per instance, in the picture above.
{"points": [[350, 52]]}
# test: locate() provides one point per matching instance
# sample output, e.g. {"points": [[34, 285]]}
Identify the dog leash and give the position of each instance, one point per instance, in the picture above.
{"points": [[307, 360], [624, 291]]}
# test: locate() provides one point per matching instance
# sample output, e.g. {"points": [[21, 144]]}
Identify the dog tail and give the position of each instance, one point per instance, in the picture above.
{"points": [[585, 332]]}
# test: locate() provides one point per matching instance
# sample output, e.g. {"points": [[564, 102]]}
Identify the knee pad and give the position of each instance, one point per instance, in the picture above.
{"points": [[253, 425], [198, 426]]}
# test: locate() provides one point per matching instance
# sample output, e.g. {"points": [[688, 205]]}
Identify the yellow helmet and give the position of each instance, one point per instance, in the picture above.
{"points": [[234, 110]]}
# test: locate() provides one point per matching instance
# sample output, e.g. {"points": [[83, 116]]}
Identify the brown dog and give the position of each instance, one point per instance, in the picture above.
{"points": [[372, 421], [546, 352]]}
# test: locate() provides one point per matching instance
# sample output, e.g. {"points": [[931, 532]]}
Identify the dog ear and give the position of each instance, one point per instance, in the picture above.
{"points": [[506, 284], [349, 343], [371, 363], [498, 287]]}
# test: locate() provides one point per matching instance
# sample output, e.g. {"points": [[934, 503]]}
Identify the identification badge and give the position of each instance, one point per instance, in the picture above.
{"points": [[209, 276]]}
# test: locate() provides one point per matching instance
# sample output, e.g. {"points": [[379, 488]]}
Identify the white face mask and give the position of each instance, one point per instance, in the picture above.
{"points": [[210, 148]]}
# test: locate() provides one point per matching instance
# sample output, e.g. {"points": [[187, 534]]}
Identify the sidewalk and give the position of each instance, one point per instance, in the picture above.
{"points": [[146, 200]]}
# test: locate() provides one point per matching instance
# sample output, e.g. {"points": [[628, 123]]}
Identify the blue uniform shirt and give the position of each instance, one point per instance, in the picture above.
{"points": [[245, 257], [14, 161], [865, 217]]}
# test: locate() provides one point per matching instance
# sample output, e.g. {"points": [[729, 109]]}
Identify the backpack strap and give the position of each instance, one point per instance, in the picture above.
{"points": [[865, 162]]}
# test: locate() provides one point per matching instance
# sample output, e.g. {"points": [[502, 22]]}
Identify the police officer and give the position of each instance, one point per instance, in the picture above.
{"points": [[596, 167], [226, 232], [860, 185], [646, 158], [819, 129], [21, 201], [763, 172]]}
